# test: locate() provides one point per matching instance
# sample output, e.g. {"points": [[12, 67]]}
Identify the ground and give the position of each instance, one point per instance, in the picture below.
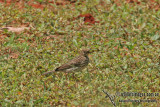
{"points": [[38, 36]]}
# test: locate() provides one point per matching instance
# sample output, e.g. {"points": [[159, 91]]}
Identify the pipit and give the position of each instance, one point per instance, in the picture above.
{"points": [[74, 65]]}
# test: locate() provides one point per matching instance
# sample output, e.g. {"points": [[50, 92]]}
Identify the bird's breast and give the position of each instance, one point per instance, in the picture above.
{"points": [[85, 62]]}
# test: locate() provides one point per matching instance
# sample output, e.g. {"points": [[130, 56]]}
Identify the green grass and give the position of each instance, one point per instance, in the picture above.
{"points": [[128, 37]]}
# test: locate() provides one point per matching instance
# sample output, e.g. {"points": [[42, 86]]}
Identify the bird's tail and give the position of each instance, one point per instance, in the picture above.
{"points": [[48, 73]]}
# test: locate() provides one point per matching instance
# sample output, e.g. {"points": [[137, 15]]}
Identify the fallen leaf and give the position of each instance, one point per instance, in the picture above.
{"points": [[15, 29], [14, 55], [133, 1], [19, 93], [88, 18]]}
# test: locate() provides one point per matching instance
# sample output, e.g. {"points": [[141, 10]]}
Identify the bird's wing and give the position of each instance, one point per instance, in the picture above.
{"points": [[76, 62]]}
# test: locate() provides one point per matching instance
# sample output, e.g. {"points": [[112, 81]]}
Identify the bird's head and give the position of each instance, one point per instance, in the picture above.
{"points": [[85, 52]]}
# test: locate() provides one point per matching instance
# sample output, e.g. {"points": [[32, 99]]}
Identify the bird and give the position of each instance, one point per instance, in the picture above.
{"points": [[76, 64]]}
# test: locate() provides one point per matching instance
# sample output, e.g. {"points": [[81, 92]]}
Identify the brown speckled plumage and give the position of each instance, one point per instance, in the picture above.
{"points": [[76, 64]]}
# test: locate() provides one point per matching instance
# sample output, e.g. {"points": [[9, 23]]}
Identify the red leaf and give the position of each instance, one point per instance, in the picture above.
{"points": [[88, 18]]}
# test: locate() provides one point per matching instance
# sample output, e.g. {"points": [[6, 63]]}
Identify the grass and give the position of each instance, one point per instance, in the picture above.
{"points": [[128, 37]]}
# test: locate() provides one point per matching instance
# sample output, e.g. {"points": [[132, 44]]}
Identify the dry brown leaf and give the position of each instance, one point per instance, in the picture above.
{"points": [[16, 29], [14, 55]]}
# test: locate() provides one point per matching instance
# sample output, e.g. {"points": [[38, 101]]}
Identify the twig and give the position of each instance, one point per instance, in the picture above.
{"points": [[107, 95]]}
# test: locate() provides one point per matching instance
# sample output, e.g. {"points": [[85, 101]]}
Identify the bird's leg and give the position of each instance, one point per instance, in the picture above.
{"points": [[73, 75], [66, 75]]}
